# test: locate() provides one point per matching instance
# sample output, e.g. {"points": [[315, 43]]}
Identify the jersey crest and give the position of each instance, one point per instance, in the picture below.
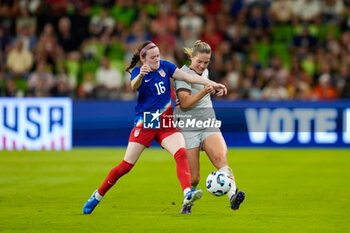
{"points": [[161, 72], [136, 133]]}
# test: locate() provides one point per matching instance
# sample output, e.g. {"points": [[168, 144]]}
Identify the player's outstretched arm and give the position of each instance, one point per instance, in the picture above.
{"points": [[196, 79]]}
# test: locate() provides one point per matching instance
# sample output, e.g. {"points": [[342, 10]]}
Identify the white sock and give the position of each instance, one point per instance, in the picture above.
{"points": [[98, 196], [232, 190], [186, 190]]}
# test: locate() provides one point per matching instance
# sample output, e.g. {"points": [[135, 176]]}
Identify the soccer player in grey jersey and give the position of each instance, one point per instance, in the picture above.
{"points": [[194, 104]]}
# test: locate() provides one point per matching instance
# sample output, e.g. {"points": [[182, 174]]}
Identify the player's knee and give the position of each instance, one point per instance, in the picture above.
{"points": [[220, 159]]}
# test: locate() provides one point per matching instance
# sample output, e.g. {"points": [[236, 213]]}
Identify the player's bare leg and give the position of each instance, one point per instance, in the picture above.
{"points": [[216, 149], [133, 152], [194, 164], [173, 143], [218, 156]]}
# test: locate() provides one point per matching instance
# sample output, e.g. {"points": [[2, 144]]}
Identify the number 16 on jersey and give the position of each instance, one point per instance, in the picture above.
{"points": [[160, 88]]}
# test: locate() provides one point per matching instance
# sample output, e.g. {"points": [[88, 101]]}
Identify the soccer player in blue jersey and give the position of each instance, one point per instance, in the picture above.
{"points": [[194, 100], [152, 81]]}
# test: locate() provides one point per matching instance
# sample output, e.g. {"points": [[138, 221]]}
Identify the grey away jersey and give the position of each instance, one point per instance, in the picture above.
{"points": [[203, 109], [205, 102]]}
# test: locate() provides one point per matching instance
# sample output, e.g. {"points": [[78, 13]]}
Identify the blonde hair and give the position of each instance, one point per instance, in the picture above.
{"points": [[198, 47]]}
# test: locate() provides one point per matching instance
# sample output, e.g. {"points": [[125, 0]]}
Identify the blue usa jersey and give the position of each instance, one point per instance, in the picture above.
{"points": [[154, 91]]}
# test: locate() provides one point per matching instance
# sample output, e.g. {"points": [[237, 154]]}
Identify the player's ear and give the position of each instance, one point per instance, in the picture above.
{"points": [[142, 59], [192, 57]]}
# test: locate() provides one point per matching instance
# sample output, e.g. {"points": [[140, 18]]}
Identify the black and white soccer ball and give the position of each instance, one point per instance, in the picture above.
{"points": [[218, 183]]}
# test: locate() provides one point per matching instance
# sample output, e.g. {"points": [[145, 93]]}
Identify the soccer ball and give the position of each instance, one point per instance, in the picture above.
{"points": [[218, 183]]}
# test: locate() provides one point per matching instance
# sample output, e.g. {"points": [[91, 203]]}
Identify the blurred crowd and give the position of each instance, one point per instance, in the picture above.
{"points": [[261, 49]]}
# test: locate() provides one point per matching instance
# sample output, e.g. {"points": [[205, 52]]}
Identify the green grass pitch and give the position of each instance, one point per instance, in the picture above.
{"points": [[286, 191]]}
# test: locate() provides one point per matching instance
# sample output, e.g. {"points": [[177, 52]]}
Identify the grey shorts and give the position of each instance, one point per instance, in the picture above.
{"points": [[195, 138]]}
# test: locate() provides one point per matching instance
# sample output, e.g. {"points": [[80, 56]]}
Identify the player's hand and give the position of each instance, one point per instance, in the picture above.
{"points": [[210, 89], [145, 69], [221, 89]]}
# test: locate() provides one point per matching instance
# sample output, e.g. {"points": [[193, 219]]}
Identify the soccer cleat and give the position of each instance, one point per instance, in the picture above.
{"points": [[236, 200], [192, 196], [90, 204], [186, 209]]}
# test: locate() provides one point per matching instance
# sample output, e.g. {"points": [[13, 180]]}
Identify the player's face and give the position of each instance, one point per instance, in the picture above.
{"points": [[200, 62], [152, 58]]}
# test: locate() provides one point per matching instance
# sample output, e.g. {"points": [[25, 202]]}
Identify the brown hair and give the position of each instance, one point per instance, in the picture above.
{"points": [[136, 57]]}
